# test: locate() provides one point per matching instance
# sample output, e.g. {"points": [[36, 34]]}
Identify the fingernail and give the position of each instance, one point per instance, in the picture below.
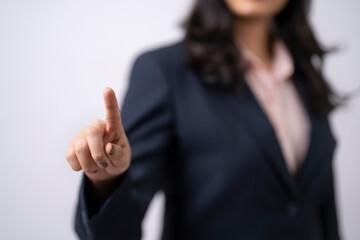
{"points": [[112, 150], [103, 164]]}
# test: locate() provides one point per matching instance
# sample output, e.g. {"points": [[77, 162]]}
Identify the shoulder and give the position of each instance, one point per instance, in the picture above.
{"points": [[169, 56], [158, 68]]}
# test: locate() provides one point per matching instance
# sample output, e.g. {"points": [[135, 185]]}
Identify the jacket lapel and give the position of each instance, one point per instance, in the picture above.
{"points": [[245, 108], [320, 137]]}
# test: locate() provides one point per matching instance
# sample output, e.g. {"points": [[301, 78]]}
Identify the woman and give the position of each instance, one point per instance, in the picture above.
{"points": [[231, 123]]}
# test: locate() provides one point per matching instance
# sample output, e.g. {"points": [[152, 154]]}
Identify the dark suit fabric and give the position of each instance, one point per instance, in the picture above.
{"points": [[215, 156]]}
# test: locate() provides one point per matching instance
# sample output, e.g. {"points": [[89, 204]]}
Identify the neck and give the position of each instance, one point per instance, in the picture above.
{"points": [[255, 35]]}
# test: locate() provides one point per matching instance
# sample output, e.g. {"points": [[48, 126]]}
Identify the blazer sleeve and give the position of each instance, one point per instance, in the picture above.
{"points": [[329, 213], [146, 118]]}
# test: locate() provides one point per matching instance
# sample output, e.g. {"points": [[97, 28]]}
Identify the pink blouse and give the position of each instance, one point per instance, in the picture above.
{"points": [[277, 95]]}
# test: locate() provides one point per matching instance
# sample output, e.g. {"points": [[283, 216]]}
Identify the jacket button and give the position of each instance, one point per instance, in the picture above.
{"points": [[292, 209]]}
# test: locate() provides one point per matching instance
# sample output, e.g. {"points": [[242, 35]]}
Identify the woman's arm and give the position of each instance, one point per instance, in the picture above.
{"points": [[146, 119]]}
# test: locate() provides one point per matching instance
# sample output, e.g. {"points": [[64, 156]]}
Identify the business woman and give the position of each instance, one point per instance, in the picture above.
{"points": [[231, 123]]}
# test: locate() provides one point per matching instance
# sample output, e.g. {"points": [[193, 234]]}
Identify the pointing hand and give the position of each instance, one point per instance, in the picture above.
{"points": [[101, 149]]}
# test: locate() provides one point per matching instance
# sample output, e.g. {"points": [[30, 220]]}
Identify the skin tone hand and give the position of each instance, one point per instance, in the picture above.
{"points": [[102, 149]]}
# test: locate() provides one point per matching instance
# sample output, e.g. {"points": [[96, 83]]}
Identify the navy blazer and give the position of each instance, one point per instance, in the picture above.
{"points": [[216, 157]]}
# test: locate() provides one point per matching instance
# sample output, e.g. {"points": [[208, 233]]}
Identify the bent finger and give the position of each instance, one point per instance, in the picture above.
{"points": [[84, 157], [72, 159], [94, 136]]}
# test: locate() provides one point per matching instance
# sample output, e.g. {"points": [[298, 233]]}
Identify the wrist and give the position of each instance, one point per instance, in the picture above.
{"points": [[103, 188]]}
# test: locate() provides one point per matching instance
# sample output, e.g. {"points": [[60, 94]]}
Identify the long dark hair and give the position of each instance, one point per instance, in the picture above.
{"points": [[214, 55]]}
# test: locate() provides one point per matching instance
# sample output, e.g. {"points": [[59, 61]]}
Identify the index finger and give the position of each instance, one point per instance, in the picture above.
{"points": [[113, 117]]}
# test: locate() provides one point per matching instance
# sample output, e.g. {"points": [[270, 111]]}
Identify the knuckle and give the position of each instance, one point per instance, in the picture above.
{"points": [[98, 122], [81, 146], [92, 131]]}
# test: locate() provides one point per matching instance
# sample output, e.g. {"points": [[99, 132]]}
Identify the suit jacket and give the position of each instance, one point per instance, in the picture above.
{"points": [[216, 157]]}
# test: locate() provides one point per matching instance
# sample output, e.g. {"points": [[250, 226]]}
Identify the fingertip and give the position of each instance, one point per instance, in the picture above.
{"points": [[110, 98], [75, 165], [108, 90]]}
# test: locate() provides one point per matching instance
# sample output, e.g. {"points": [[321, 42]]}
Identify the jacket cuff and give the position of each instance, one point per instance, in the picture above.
{"points": [[115, 214]]}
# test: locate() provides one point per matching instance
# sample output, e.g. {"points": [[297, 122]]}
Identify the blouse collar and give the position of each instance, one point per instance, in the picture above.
{"points": [[282, 66]]}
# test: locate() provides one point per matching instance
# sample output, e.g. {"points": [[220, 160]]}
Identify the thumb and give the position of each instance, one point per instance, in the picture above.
{"points": [[115, 153]]}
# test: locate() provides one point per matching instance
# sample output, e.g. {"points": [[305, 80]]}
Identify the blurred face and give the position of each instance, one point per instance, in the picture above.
{"points": [[256, 8]]}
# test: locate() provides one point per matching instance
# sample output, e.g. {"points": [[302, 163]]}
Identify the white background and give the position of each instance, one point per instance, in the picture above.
{"points": [[56, 57]]}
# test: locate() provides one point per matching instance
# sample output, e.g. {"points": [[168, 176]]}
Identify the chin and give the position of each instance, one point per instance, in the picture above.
{"points": [[256, 8]]}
